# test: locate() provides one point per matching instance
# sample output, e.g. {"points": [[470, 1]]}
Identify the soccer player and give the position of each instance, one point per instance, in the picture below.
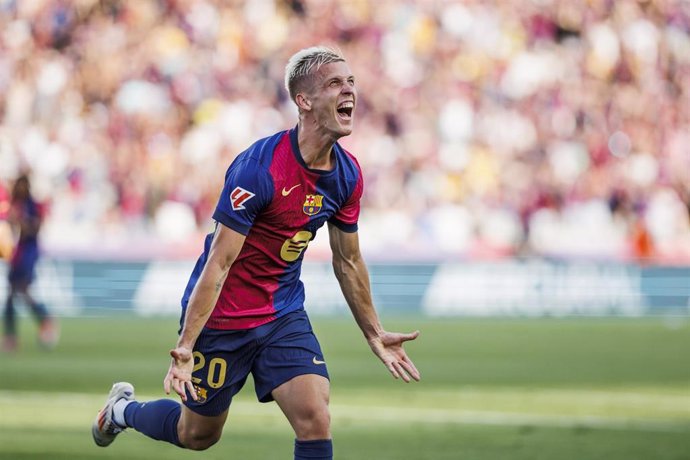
{"points": [[24, 215], [6, 239], [243, 309]]}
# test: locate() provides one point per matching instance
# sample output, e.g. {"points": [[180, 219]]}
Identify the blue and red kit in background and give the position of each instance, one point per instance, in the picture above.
{"points": [[26, 251]]}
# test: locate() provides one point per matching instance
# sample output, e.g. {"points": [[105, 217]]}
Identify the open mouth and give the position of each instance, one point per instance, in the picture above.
{"points": [[345, 109]]}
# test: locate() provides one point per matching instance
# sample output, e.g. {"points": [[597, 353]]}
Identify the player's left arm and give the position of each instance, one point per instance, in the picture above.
{"points": [[353, 277]]}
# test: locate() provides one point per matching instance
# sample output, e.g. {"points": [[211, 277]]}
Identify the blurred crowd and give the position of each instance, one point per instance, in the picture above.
{"points": [[486, 128]]}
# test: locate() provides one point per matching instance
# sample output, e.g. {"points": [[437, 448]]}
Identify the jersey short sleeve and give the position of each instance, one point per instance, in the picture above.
{"points": [[346, 218], [248, 189]]}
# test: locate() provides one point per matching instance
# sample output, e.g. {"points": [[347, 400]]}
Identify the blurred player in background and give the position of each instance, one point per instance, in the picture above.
{"points": [[6, 240], [24, 217], [243, 309]]}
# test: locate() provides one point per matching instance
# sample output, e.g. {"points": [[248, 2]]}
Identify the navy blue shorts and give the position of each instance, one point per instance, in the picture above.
{"points": [[273, 353], [23, 264]]}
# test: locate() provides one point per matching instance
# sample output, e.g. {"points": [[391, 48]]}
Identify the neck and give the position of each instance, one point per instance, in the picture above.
{"points": [[315, 146]]}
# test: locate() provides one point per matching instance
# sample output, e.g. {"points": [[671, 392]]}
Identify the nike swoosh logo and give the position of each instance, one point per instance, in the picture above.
{"points": [[287, 192], [316, 361]]}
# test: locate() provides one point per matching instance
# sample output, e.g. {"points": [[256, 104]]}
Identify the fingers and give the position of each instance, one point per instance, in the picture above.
{"points": [[168, 378], [401, 372], [410, 336], [192, 390], [403, 369], [178, 379], [178, 386], [393, 370], [397, 338], [410, 368]]}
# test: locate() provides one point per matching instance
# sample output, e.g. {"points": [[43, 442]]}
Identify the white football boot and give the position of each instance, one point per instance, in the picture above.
{"points": [[104, 428]]}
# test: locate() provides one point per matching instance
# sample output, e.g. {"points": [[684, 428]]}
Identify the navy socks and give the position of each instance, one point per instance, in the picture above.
{"points": [[9, 321], [155, 419], [158, 420], [318, 449]]}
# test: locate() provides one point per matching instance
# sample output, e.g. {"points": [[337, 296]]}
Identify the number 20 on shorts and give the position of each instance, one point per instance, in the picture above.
{"points": [[216, 370]]}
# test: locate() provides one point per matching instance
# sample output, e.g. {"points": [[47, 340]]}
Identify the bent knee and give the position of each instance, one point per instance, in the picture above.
{"points": [[196, 440], [313, 424]]}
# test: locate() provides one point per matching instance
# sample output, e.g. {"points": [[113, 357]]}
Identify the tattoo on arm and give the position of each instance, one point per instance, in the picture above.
{"points": [[219, 284]]}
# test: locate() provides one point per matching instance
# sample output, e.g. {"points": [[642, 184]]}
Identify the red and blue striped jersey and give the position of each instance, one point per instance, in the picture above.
{"points": [[278, 203]]}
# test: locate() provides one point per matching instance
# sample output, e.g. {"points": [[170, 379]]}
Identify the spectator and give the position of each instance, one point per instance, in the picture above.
{"points": [[479, 113]]}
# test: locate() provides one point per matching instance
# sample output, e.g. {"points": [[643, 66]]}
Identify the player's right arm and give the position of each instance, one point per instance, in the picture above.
{"points": [[225, 247], [248, 189]]}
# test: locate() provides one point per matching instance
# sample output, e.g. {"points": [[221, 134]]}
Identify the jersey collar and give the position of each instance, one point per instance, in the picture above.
{"points": [[300, 160]]}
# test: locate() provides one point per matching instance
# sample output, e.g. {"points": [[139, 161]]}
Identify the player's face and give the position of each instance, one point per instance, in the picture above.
{"points": [[333, 99]]}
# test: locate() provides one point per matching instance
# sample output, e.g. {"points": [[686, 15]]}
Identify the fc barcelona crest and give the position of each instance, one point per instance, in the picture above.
{"points": [[201, 394], [312, 204]]}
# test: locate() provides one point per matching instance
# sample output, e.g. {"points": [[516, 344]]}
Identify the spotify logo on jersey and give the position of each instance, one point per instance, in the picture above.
{"points": [[293, 247]]}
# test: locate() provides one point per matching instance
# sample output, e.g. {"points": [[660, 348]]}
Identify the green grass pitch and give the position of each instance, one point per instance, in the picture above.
{"points": [[491, 389]]}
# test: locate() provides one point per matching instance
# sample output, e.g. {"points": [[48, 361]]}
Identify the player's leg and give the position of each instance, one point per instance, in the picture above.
{"points": [[304, 401], [38, 309], [290, 370], [167, 420], [199, 432], [48, 333], [24, 275], [162, 420], [9, 321], [156, 419], [220, 371]]}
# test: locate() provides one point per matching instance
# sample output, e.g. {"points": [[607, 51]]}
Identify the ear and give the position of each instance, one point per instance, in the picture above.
{"points": [[303, 102]]}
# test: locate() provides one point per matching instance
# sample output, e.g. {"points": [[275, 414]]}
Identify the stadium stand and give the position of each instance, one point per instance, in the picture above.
{"points": [[486, 128]]}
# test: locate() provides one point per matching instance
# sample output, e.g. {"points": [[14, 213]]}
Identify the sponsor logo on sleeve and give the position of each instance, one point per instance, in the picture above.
{"points": [[239, 196]]}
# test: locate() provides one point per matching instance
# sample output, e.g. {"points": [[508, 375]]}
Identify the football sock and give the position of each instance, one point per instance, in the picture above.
{"points": [[155, 419], [318, 449], [119, 412], [9, 318]]}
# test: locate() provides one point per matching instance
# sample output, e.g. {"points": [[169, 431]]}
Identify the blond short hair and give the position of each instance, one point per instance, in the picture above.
{"points": [[302, 66]]}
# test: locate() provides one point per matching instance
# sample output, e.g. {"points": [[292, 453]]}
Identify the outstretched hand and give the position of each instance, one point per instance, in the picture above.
{"points": [[388, 346], [179, 374]]}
